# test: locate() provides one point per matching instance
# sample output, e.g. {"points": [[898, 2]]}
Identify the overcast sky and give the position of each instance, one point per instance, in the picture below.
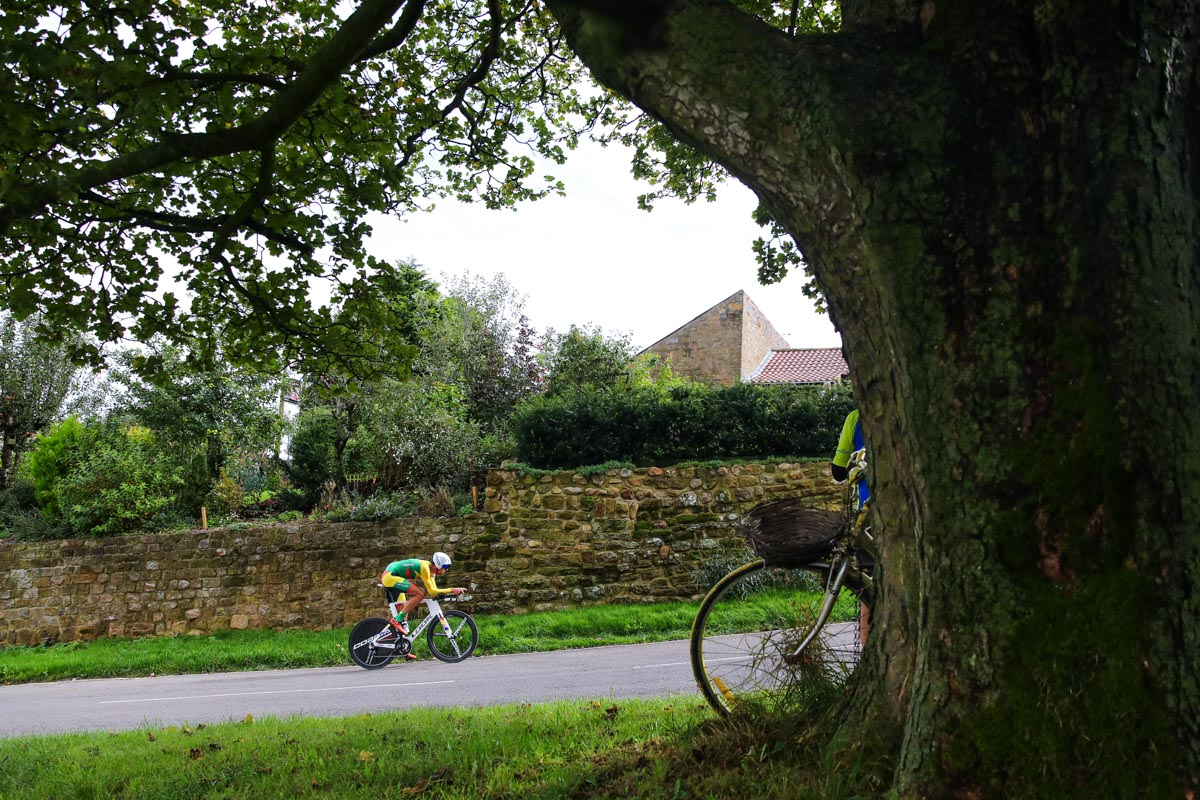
{"points": [[593, 258]]}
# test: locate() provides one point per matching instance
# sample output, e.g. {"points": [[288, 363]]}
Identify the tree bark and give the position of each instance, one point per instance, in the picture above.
{"points": [[999, 201]]}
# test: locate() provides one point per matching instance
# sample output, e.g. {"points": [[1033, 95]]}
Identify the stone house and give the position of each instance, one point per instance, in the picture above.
{"points": [[734, 342]]}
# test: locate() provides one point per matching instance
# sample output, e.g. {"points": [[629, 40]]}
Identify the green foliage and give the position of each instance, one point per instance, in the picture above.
{"points": [[56, 454], [376, 508], [225, 497], [420, 436], [38, 385], [20, 516], [584, 357], [120, 482], [251, 143], [313, 457], [481, 342], [649, 426]]}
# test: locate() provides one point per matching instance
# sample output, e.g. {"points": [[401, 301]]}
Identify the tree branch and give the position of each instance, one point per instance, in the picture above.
{"points": [[325, 69], [181, 223]]}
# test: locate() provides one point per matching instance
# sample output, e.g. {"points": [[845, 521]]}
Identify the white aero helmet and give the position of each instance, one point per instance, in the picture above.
{"points": [[441, 560]]}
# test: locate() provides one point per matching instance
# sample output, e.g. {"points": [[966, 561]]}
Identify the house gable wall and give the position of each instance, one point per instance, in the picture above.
{"points": [[723, 345]]}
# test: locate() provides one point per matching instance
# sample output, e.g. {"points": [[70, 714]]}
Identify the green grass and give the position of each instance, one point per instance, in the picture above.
{"points": [[231, 651], [658, 750]]}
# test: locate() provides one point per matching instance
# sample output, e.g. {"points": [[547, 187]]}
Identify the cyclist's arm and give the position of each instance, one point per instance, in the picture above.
{"points": [[845, 446], [431, 587]]}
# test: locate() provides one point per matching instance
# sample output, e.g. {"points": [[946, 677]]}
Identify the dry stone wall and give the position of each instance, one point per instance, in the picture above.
{"points": [[542, 542]]}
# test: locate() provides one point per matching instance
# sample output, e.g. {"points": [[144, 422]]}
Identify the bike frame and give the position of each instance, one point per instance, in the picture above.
{"points": [[435, 612], [838, 569]]}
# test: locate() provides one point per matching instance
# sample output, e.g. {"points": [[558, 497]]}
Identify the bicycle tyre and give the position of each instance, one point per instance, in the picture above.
{"points": [[747, 628], [363, 653], [464, 635]]}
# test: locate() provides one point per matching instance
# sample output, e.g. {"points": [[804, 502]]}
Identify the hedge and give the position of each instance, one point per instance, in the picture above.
{"points": [[648, 425]]}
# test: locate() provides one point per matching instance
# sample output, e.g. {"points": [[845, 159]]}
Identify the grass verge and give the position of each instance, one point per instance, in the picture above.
{"points": [[229, 651], [657, 750]]}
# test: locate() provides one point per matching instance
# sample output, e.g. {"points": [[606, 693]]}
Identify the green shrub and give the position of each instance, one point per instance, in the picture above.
{"points": [[378, 507], [54, 455], [121, 482], [22, 518], [313, 459], [652, 425]]}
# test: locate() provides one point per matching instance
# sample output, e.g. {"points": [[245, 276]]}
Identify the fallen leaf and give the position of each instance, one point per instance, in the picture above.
{"points": [[195, 754], [151, 737], [416, 788], [249, 718], [366, 756], [612, 712]]}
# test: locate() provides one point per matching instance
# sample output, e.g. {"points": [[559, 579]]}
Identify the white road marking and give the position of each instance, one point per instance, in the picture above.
{"points": [[276, 691]]}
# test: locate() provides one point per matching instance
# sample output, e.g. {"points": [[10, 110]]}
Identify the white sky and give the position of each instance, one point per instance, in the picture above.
{"points": [[593, 258]]}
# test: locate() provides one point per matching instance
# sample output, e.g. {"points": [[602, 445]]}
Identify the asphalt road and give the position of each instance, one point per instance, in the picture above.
{"points": [[602, 673]]}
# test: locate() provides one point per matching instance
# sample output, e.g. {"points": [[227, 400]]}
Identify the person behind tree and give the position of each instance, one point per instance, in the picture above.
{"points": [[850, 442]]}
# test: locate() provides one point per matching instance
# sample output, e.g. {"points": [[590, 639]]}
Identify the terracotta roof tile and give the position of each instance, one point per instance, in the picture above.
{"points": [[814, 365]]}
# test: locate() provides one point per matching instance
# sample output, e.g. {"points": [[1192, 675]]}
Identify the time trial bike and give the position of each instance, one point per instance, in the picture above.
{"points": [[451, 635]]}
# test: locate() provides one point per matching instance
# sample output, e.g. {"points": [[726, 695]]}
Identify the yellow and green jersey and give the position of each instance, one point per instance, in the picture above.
{"points": [[400, 574]]}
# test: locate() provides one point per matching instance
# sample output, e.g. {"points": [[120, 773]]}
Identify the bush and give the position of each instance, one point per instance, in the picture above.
{"points": [[120, 483], [20, 516], [313, 459], [56, 453], [378, 507], [651, 425]]}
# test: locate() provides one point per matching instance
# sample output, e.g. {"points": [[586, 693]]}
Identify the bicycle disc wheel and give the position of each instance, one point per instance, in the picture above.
{"points": [[458, 643], [745, 637], [362, 651]]}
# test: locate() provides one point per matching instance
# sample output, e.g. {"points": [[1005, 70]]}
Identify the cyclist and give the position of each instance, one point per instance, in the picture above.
{"points": [[398, 577]]}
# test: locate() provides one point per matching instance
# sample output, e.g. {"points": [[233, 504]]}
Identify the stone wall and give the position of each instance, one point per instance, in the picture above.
{"points": [[542, 542]]}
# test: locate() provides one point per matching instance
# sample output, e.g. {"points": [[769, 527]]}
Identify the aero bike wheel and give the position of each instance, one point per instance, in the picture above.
{"points": [[362, 648], [461, 640], [745, 636]]}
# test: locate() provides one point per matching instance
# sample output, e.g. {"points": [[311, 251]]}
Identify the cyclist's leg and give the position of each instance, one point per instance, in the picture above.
{"points": [[396, 590], [415, 594]]}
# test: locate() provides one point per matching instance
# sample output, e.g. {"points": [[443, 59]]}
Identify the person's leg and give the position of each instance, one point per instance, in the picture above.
{"points": [[398, 594], [414, 593]]}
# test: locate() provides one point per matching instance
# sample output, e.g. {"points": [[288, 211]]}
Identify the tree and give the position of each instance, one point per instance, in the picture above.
{"points": [[584, 357], [237, 153], [482, 342], [209, 415], [997, 200], [38, 386]]}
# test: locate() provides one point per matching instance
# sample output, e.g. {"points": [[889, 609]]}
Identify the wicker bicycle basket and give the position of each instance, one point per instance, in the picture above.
{"points": [[793, 532]]}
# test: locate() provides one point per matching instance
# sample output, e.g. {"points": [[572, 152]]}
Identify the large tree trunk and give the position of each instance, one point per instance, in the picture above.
{"points": [[1000, 203]]}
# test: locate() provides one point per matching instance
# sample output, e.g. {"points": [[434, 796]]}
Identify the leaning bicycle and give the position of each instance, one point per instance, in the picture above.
{"points": [[374, 642], [789, 621]]}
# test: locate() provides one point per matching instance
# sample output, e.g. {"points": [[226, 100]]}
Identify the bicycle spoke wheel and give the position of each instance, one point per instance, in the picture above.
{"points": [[363, 649], [747, 634], [458, 643]]}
